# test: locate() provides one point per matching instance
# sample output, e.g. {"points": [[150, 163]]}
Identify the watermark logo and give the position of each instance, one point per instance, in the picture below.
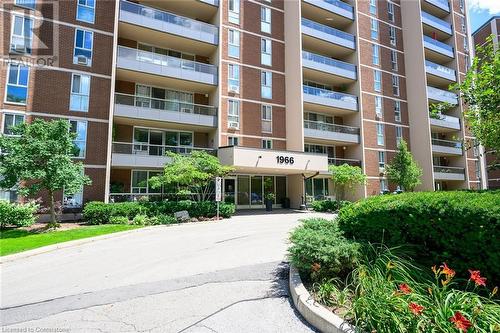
{"points": [[33, 38]]}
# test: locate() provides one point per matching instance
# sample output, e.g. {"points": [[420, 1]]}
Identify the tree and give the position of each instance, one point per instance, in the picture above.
{"points": [[403, 170], [345, 177], [39, 157], [192, 174], [479, 90]]}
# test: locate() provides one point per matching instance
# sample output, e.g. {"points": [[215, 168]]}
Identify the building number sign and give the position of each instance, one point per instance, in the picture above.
{"points": [[284, 159]]}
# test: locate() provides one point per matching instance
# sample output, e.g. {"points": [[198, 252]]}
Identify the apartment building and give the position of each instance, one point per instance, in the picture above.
{"points": [[492, 27], [277, 89]]}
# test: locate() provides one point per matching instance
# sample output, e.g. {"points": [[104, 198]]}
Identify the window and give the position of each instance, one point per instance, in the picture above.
{"points": [[266, 51], [26, 3], [466, 44], [80, 91], [232, 141], [390, 11], [80, 142], [395, 85], [378, 106], [267, 118], [233, 37], [467, 62], [140, 181], [10, 120], [82, 54], [266, 79], [17, 84], [267, 144], [21, 35], [234, 78], [85, 11], [234, 11], [394, 60], [461, 3], [377, 80], [381, 160], [462, 24], [233, 114], [73, 199], [265, 19], [399, 134], [397, 111], [380, 134], [383, 186], [375, 54], [374, 28], [373, 7], [392, 35], [477, 168]]}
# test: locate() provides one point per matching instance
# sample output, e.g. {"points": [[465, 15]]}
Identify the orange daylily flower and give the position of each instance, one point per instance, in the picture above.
{"points": [[415, 308], [462, 323], [477, 278], [447, 271], [405, 289]]}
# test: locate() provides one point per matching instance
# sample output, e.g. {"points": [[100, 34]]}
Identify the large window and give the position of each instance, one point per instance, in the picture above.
{"points": [[265, 20], [10, 120], [390, 11], [140, 182], [397, 111], [82, 54], [157, 142], [233, 114], [317, 188], [373, 7], [395, 85], [380, 134], [266, 85], [80, 142], [26, 3], [85, 11], [374, 28], [234, 11], [394, 60], [233, 78], [267, 118], [392, 35], [266, 51], [399, 134], [377, 80], [381, 160], [17, 84], [21, 36], [234, 43], [80, 91], [375, 54], [378, 106]]}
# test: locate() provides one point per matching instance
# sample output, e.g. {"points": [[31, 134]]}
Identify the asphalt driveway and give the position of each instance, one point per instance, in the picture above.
{"points": [[228, 276]]}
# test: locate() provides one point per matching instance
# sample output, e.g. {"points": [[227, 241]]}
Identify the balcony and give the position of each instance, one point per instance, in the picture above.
{"points": [[214, 3], [130, 106], [446, 147], [431, 23], [158, 65], [439, 95], [166, 22], [436, 6], [445, 123], [143, 155], [331, 132], [437, 51], [448, 173], [440, 74], [341, 161], [339, 8], [319, 99], [321, 68], [326, 39]]}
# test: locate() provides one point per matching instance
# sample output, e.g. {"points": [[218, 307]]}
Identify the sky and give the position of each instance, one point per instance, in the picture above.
{"points": [[481, 11]]}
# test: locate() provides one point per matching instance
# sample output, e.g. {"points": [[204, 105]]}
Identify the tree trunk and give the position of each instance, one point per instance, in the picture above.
{"points": [[53, 222]]}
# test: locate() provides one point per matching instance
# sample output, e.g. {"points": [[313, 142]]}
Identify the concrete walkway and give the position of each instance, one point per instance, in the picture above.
{"points": [[215, 277]]}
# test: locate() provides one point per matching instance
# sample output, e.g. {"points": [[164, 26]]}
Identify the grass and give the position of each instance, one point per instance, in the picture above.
{"points": [[13, 241]]}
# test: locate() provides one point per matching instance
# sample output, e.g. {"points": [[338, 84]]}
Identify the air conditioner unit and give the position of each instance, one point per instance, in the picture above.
{"points": [[233, 124], [82, 60], [233, 88]]}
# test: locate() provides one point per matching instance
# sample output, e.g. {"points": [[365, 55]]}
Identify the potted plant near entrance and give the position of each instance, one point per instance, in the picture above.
{"points": [[269, 201]]}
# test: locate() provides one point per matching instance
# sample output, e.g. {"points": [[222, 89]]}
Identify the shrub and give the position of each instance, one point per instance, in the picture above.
{"points": [[118, 220], [97, 212], [461, 228], [140, 220], [324, 205], [18, 215], [127, 209], [166, 219], [320, 250], [153, 221]]}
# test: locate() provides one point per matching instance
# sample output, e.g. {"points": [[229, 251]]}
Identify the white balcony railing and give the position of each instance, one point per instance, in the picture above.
{"points": [[442, 95], [438, 46], [316, 61], [331, 97], [436, 22], [328, 33]]}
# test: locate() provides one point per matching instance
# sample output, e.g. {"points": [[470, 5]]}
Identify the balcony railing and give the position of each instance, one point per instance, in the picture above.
{"points": [[164, 104], [341, 161], [452, 170], [191, 28], [440, 70], [327, 30], [438, 46], [449, 121], [330, 94], [442, 95], [443, 4], [334, 6], [320, 126], [436, 22], [322, 60], [146, 149], [211, 2], [447, 143], [340, 4]]}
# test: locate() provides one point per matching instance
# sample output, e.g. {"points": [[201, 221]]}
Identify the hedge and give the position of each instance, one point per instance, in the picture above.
{"points": [[459, 228], [328, 205], [17, 215]]}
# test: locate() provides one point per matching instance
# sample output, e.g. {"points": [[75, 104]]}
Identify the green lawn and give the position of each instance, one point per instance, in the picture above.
{"points": [[13, 241]]}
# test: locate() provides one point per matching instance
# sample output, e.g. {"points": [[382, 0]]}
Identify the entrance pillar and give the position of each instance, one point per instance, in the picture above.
{"points": [[295, 190]]}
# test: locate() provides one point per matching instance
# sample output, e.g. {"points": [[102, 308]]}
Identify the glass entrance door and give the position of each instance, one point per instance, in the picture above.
{"points": [[230, 190]]}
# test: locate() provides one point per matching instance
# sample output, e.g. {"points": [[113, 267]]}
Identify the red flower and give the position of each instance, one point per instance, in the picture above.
{"points": [[447, 271], [415, 308], [476, 277], [404, 288], [460, 322]]}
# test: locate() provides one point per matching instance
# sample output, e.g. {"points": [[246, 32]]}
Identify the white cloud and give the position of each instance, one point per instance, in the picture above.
{"points": [[492, 6]]}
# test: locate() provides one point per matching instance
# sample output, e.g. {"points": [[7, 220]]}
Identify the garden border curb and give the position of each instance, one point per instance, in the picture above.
{"points": [[313, 312]]}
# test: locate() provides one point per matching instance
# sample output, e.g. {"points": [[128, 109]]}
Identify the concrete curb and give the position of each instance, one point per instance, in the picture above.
{"points": [[313, 312]]}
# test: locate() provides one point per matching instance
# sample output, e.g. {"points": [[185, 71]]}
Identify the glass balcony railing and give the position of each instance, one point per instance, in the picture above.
{"points": [[164, 104], [442, 95], [435, 43], [436, 22], [450, 120], [320, 126], [443, 4], [329, 94], [187, 24], [211, 2], [340, 4], [445, 71], [341, 161], [446, 169], [327, 30], [163, 60], [328, 61], [141, 148], [447, 143]]}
